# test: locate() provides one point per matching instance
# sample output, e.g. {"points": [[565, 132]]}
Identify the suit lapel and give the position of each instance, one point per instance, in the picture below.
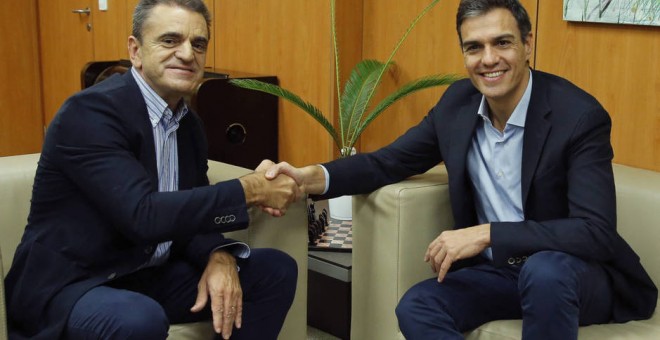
{"points": [[456, 161], [537, 128], [461, 134], [186, 158], [137, 111]]}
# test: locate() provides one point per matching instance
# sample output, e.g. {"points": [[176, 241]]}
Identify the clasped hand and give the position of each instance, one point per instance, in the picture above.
{"points": [[276, 193], [273, 172]]}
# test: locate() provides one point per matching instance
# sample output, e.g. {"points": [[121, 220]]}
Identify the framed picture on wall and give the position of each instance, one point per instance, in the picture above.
{"points": [[629, 12]]}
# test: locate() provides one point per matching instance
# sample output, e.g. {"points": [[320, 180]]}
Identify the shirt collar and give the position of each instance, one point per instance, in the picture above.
{"points": [[156, 106], [519, 114]]}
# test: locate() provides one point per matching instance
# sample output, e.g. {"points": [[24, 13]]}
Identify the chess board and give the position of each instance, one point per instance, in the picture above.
{"points": [[337, 236]]}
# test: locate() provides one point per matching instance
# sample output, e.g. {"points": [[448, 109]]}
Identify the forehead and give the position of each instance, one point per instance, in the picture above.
{"points": [[496, 22], [173, 19]]}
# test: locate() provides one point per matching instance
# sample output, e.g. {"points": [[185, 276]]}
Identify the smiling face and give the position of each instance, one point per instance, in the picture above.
{"points": [[496, 57], [172, 53]]}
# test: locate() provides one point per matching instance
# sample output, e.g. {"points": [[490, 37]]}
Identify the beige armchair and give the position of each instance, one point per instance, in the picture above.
{"points": [[288, 233], [393, 226]]}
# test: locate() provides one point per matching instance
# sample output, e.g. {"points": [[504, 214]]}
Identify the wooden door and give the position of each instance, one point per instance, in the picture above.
{"points": [[109, 30], [21, 122], [66, 46]]}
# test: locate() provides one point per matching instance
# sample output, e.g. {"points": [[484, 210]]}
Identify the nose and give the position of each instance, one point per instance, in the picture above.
{"points": [[490, 56], [185, 51]]}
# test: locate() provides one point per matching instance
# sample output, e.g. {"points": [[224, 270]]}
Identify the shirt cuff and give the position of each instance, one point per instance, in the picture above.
{"points": [[238, 249], [327, 179]]}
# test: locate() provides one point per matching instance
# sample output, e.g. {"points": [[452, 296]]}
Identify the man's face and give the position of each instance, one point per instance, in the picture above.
{"points": [[496, 57], [172, 53]]}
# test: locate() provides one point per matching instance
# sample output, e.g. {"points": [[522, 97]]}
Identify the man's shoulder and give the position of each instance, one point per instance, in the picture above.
{"points": [[115, 85], [559, 88]]}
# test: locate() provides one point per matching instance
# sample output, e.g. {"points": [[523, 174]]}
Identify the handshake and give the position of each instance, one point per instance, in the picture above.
{"points": [[274, 186]]}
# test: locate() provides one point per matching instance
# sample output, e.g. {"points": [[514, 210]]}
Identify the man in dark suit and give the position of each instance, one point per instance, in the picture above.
{"points": [[528, 156], [124, 233]]}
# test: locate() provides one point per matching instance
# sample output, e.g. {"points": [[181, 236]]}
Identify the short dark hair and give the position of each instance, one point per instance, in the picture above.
{"points": [[144, 8], [474, 8]]}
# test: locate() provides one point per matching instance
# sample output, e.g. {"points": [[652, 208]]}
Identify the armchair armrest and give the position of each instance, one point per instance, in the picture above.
{"points": [[287, 233], [3, 312], [392, 227]]}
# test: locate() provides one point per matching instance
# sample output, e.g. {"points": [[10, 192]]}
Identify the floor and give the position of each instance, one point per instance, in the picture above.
{"points": [[315, 334]]}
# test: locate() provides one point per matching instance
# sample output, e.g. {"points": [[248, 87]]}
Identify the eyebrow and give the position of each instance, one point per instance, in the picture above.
{"points": [[177, 35], [497, 38]]}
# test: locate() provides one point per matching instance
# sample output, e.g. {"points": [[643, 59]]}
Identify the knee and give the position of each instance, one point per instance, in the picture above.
{"points": [[547, 271], [411, 303], [286, 265], [145, 320], [284, 269]]}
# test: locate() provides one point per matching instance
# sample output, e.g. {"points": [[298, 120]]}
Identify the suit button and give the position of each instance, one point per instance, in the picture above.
{"points": [[148, 250], [511, 260], [112, 276]]}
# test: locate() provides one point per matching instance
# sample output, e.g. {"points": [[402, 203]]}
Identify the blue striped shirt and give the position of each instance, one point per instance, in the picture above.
{"points": [[164, 123]]}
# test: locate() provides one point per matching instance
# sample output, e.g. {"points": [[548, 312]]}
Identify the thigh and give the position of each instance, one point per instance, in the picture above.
{"points": [[564, 277], [173, 285], [111, 313], [472, 296]]}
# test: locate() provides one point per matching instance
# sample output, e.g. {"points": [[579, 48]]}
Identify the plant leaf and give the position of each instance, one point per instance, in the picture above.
{"points": [[389, 59], [409, 88], [278, 91], [360, 84]]}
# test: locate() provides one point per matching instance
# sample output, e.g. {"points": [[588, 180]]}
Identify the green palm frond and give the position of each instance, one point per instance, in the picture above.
{"points": [[409, 88], [360, 85], [400, 42], [359, 90], [278, 91]]}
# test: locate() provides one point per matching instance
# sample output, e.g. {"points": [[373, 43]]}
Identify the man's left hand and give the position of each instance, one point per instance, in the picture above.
{"points": [[220, 281]]}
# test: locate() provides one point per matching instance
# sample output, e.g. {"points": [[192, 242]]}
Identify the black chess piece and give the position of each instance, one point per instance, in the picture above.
{"points": [[326, 220], [311, 234], [317, 227], [311, 213]]}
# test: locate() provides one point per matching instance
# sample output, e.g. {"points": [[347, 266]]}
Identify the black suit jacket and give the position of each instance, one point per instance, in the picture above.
{"points": [[567, 182], [96, 212]]}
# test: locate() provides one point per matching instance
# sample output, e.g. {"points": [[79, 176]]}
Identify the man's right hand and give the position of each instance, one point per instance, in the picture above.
{"points": [[277, 193], [310, 179]]}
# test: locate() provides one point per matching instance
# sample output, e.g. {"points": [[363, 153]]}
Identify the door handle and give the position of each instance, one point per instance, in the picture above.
{"points": [[82, 11]]}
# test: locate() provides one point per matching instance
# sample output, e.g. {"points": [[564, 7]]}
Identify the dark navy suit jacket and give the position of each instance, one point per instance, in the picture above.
{"points": [[567, 182], [96, 212]]}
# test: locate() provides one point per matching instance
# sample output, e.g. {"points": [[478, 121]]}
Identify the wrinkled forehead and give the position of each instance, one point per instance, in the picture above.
{"points": [[171, 19]]}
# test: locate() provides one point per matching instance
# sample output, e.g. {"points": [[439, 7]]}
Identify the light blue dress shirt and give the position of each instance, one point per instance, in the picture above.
{"points": [[494, 163]]}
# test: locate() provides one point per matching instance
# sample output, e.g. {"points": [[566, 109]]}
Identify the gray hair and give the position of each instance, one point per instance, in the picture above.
{"points": [[144, 8], [473, 8]]}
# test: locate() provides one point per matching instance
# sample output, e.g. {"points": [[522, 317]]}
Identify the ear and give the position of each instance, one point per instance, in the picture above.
{"points": [[134, 52], [529, 45]]}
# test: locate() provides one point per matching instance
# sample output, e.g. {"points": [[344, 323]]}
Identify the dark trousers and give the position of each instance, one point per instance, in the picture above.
{"points": [[144, 304], [553, 292]]}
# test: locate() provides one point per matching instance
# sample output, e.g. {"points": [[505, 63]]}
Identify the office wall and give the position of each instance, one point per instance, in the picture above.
{"points": [[21, 123], [291, 39], [619, 65]]}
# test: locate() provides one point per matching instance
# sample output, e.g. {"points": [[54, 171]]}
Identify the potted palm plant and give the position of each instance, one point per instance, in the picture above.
{"points": [[355, 109]]}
